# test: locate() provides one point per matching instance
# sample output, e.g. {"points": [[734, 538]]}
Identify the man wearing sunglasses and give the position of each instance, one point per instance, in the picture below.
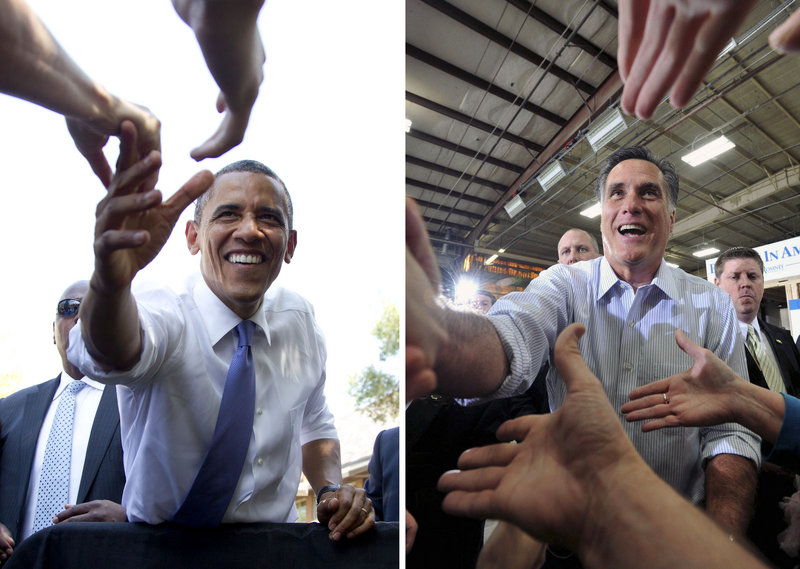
{"points": [[95, 472]]}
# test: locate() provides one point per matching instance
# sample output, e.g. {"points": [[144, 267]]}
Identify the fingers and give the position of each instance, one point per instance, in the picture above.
{"points": [[419, 244], [487, 478], [480, 505], [190, 191], [100, 167], [354, 514], [684, 343], [490, 455], [519, 429], [569, 361], [420, 377], [631, 13], [786, 37], [230, 133], [411, 531], [70, 512], [655, 388]]}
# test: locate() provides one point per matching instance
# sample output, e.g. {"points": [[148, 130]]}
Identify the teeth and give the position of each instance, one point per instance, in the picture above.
{"points": [[245, 259], [630, 228]]}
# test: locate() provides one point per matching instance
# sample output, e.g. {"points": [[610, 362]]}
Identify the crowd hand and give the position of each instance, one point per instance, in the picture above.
{"points": [[700, 396], [547, 484], [511, 548], [424, 332], [228, 35], [786, 37], [411, 531], [133, 223], [91, 136], [347, 512], [94, 511], [669, 46], [6, 544]]}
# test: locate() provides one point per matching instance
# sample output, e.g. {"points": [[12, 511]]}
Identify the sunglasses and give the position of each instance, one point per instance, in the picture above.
{"points": [[68, 307]]}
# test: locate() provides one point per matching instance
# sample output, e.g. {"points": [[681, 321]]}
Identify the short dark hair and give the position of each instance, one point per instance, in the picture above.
{"points": [[482, 292], [254, 167], [639, 153], [737, 253]]}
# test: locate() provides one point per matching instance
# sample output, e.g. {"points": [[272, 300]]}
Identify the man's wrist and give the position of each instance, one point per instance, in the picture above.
{"points": [[326, 489]]}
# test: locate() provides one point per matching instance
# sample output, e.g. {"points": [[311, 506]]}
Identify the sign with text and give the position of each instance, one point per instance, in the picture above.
{"points": [[781, 260]]}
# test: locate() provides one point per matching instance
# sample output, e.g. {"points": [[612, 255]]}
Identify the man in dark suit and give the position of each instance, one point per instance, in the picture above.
{"points": [[383, 484], [773, 362], [96, 475]]}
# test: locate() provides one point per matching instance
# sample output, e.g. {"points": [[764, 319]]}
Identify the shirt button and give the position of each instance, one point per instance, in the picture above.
{"points": [[628, 367], [259, 411], [631, 323], [260, 461]]}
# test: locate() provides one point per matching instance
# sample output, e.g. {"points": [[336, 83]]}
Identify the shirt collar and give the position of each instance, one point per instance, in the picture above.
{"points": [[665, 279], [217, 318], [65, 380]]}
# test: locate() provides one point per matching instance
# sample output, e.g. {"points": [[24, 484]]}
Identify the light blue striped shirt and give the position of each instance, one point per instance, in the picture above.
{"points": [[629, 341]]}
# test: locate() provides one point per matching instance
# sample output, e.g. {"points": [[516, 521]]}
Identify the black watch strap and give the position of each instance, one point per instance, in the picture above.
{"points": [[329, 488]]}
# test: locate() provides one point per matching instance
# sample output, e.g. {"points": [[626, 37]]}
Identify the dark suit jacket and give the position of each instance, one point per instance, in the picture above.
{"points": [[21, 417], [785, 352], [383, 484], [768, 520]]}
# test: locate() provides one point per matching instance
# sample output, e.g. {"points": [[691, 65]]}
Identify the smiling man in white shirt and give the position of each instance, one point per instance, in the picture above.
{"points": [[170, 353]]}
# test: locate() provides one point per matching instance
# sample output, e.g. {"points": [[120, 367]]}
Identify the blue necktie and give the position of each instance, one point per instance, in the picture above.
{"points": [[53, 490], [211, 492]]}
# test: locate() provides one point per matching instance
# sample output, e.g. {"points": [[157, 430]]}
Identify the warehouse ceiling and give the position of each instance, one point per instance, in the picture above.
{"points": [[500, 91]]}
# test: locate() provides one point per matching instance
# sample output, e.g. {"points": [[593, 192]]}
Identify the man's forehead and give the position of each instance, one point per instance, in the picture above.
{"points": [[739, 264], [230, 184], [635, 171], [574, 235], [74, 291]]}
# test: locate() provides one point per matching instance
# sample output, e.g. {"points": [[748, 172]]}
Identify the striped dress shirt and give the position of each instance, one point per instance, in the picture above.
{"points": [[629, 341]]}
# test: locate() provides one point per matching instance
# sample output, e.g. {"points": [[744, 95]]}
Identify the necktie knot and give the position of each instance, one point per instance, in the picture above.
{"points": [[245, 329], [75, 386]]}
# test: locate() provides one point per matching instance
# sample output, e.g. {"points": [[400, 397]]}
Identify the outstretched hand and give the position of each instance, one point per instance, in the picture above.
{"points": [[703, 395], [91, 137], [424, 333], [133, 223], [548, 482], [668, 46]]}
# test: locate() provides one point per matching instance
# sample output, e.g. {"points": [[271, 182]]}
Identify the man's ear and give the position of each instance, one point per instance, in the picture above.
{"points": [[191, 237], [290, 245], [54, 333]]}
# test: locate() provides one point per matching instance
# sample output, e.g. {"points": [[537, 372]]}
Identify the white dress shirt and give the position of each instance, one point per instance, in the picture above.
{"points": [[86, 402], [629, 341], [170, 401]]}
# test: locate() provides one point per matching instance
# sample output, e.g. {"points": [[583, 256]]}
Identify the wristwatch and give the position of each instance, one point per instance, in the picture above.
{"points": [[328, 488]]}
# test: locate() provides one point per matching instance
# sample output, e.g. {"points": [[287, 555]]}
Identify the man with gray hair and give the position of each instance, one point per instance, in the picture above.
{"points": [[631, 303]]}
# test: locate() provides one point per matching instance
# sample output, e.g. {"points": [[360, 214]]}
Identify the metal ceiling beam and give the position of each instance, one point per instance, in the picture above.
{"points": [[482, 84], [550, 22], [436, 141], [448, 224], [596, 103], [454, 173], [438, 206], [470, 121], [490, 33], [786, 179], [449, 193]]}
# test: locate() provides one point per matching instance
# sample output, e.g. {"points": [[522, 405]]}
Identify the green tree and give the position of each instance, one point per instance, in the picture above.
{"points": [[377, 393]]}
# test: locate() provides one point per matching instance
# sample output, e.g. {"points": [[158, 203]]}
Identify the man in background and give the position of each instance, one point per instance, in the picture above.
{"points": [[34, 484], [577, 245], [773, 362]]}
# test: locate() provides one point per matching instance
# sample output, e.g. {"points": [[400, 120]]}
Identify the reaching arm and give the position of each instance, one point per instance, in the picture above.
{"points": [[606, 504], [347, 511], [133, 224], [228, 36], [730, 492], [36, 68]]}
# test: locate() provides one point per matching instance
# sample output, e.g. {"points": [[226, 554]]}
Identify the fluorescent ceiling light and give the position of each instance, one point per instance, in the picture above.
{"points": [[706, 252], [408, 125], [606, 128], [490, 260], [550, 175], [708, 151], [514, 206], [728, 48], [592, 212]]}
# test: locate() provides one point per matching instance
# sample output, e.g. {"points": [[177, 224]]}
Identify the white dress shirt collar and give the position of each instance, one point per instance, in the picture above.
{"points": [[664, 279], [66, 379]]}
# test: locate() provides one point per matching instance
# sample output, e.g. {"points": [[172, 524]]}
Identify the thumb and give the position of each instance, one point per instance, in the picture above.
{"points": [[191, 190], [690, 348], [569, 361]]}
